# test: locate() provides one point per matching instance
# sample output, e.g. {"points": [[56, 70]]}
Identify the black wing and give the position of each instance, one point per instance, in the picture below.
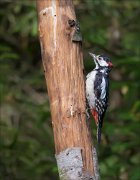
{"points": [[101, 94]]}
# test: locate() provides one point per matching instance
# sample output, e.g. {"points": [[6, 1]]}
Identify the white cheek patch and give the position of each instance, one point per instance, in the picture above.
{"points": [[102, 63]]}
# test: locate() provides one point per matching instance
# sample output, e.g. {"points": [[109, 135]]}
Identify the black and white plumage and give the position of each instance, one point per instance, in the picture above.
{"points": [[97, 87]]}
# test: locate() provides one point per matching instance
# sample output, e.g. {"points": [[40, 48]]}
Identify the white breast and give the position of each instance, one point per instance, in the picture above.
{"points": [[90, 89]]}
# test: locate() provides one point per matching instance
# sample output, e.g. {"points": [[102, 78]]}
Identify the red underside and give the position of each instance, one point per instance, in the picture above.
{"points": [[95, 115]]}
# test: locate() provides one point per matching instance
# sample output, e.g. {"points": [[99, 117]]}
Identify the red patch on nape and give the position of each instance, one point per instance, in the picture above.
{"points": [[110, 64], [95, 115]]}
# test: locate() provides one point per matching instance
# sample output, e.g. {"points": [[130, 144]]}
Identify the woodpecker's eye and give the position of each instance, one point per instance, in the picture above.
{"points": [[99, 58]]}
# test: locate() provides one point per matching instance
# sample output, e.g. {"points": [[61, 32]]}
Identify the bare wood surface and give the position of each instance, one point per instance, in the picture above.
{"points": [[63, 67]]}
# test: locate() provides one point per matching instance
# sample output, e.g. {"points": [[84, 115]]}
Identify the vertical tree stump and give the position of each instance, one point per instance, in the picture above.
{"points": [[63, 67]]}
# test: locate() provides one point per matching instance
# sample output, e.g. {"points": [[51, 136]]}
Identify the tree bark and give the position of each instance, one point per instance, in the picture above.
{"points": [[63, 68]]}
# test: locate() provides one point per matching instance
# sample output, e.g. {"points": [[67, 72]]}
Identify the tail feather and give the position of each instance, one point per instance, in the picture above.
{"points": [[98, 122], [99, 132]]}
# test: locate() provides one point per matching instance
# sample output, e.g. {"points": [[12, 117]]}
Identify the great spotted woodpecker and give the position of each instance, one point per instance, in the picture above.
{"points": [[97, 87]]}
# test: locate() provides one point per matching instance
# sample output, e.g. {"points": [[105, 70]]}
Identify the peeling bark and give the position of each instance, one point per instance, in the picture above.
{"points": [[63, 66], [70, 164]]}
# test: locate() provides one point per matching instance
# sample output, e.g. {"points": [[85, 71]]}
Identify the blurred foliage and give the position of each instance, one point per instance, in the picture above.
{"points": [[26, 138]]}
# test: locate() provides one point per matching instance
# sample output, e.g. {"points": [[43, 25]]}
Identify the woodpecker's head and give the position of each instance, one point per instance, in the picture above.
{"points": [[102, 61]]}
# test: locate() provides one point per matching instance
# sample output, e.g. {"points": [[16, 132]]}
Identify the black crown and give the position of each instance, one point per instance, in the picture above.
{"points": [[107, 59]]}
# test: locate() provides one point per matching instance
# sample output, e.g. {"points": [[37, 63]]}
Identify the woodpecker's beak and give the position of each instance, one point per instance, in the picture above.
{"points": [[93, 56]]}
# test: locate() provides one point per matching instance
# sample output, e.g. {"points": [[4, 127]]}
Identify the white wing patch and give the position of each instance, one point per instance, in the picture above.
{"points": [[103, 88]]}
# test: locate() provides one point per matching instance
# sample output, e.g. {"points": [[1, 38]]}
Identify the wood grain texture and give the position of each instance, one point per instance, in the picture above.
{"points": [[63, 67]]}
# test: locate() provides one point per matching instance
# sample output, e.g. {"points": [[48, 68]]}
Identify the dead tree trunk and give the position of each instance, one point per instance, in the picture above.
{"points": [[63, 67]]}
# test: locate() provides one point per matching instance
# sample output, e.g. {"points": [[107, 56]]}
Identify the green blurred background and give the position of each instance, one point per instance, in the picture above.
{"points": [[26, 139]]}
